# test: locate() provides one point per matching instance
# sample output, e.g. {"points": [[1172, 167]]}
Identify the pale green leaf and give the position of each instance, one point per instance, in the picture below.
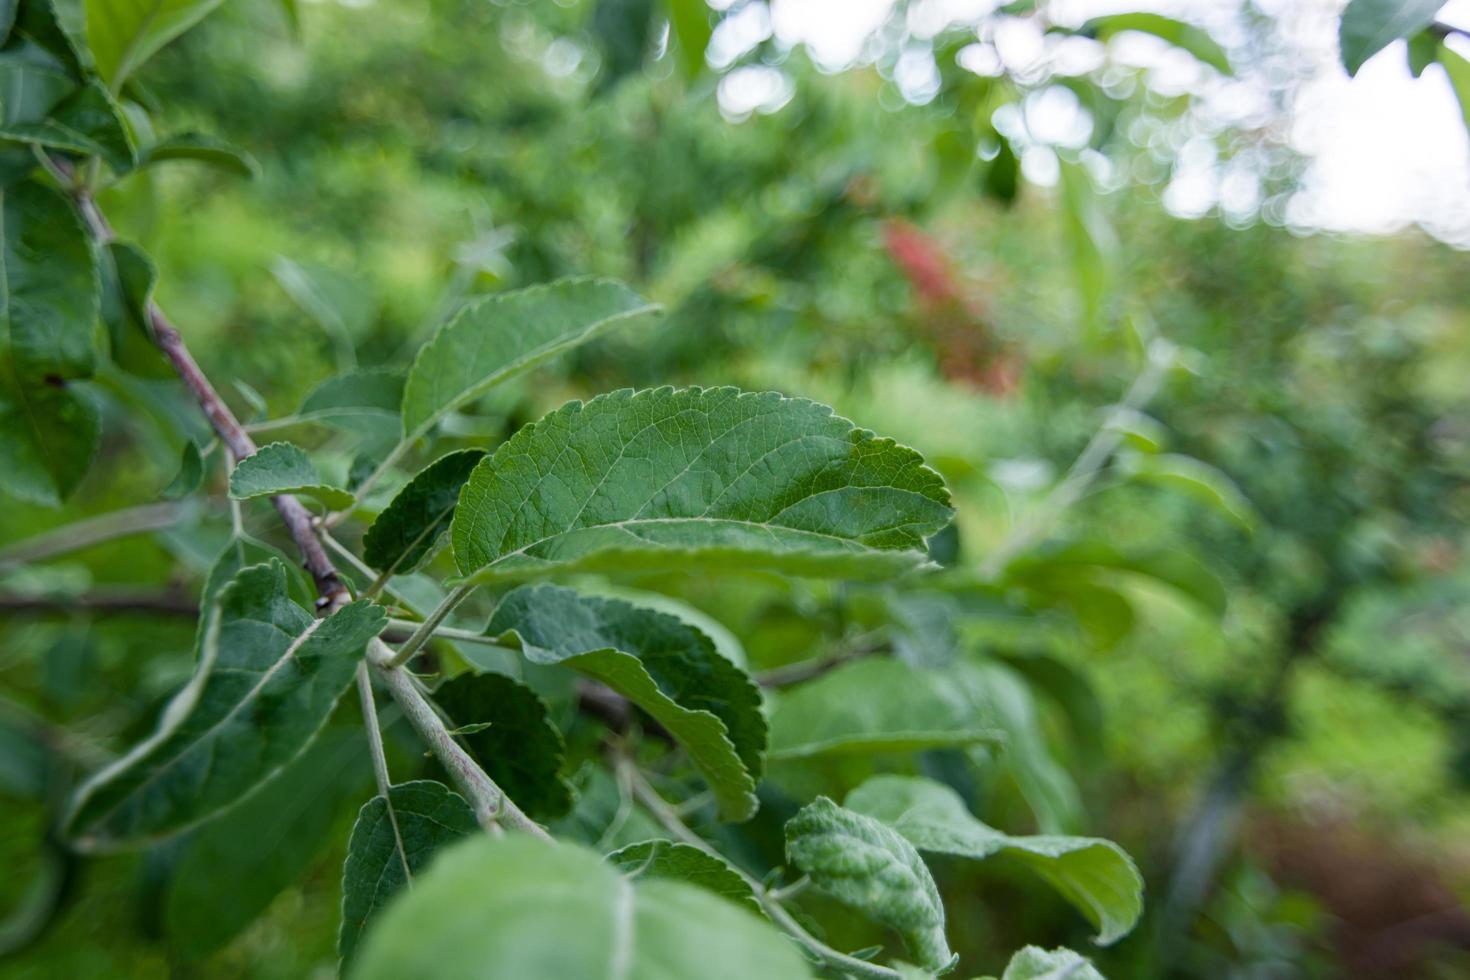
{"points": [[691, 23], [1197, 478], [387, 850], [697, 477], [683, 862], [375, 392], [517, 906], [283, 468], [1175, 569], [125, 33], [499, 337], [189, 476], [1094, 875], [1369, 26], [864, 864], [269, 674], [838, 713], [662, 664], [48, 286], [128, 280], [1458, 69], [202, 148], [408, 531], [51, 435], [520, 748], [88, 121], [1035, 963], [228, 871], [1195, 40]]}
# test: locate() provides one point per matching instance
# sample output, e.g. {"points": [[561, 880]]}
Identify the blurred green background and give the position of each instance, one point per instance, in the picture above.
{"points": [[898, 237]]}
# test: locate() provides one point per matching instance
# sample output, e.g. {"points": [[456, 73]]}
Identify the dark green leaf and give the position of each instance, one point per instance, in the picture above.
{"points": [[33, 81], [1193, 39], [189, 476], [88, 122], [1094, 875], [499, 337], [128, 279], [604, 815], [268, 676], [521, 749], [1196, 478], [683, 862], [659, 662], [49, 304], [691, 26], [7, 18], [283, 468], [392, 844], [408, 531], [51, 435], [1423, 50], [203, 148], [1369, 26], [517, 906], [56, 26], [693, 477], [867, 865], [622, 29], [125, 33], [229, 870]]}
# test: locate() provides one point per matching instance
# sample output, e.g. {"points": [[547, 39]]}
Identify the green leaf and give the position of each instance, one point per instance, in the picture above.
{"points": [[269, 674], [239, 553], [697, 477], [1458, 68], [190, 475], [521, 749], [659, 662], [683, 862], [229, 870], [864, 864], [88, 122], [203, 148], [1094, 875], [499, 337], [342, 305], [128, 280], [838, 713], [604, 815], [1035, 963], [1195, 40], [1422, 50], [7, 18], [51, 435], [518, 906], [1196, 478], [48, 301], [1175, 569], [1369, 26], [392, 843], [691, 25], [1094, 242], [356, 399], [283, 468], [408, 531], [33, 81], [56, 26], [125, 33]]}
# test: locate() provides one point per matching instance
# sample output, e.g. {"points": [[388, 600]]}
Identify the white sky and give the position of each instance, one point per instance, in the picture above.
{"points": [[1386, 150]]}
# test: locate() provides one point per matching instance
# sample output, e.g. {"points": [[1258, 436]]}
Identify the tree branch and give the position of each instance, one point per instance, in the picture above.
{"points": [[160, 603], [94, 530]]}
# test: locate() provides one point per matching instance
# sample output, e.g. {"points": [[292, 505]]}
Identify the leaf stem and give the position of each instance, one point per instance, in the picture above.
{"points": [[492, 807], [95, 530], [426, 629], [380, 758], [360, 494], [769, 901], [449, 633]]}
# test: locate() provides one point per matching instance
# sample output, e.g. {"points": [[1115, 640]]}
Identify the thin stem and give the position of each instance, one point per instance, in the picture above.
{"points": [[409, 626], [492, 807], [159, 603], [668, 816], [360, 494], [380, 758], [428, 626], [95, 530], [271, 425], [1099, 449]]}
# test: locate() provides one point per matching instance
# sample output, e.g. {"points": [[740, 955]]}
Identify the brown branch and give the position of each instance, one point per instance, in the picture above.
{"points": [[161, 603], [332, 593], [93, 531]]}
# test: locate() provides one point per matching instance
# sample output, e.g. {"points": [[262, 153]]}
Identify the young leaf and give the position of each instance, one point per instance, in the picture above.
{"points": [[283, 468], [1458, 68], [1187, 37], [268, 675], [518, 906], [1035, 963], [125, 33], [51, 435], [501, 336], [128, 280], [366, 399], [49, 304], [697, 477], [1094, 875], [88, 121], [203, 148], [1196, 478], [229, 870], [408, 530], [838, 713], [683, 862], [690, 21], [189, 476], [1369, 26], [388, 849], [864, 864], [659, 662], [521, 749]]}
